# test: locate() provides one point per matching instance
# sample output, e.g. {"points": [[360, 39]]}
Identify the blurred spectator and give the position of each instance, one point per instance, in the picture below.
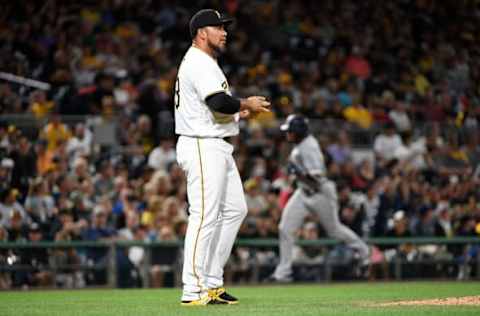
{"points": [[36, 261], [386, 143], [127, 203], [6, 172], [159, 184], [54, 132], [17, 227], [426, 225], [353, 217], [39, 205], [39, 105], [10, 101], [399, 228], [162, 155], [66, 259], [371, 206], [411, 153], [79, 170], [309, 258], [357, 65], [264, 228], [11, 208], [131, 222], [173, 209], [164, 258], [45, 161], [98, 231], [443, 223], [256, 202], [80, 145], [472, 149], [145, 133], [154, 207], [179, 187], [358, 115], [25, 165], [104, 181], [132, 259], [398, 115], [340, 150], [4, 140], [65, 228]]}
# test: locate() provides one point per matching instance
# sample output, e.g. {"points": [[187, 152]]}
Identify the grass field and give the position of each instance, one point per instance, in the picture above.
{"points": [[320, 299]]}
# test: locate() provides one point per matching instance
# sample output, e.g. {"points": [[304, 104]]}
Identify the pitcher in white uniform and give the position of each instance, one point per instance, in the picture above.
{"points": [[206, 114], [315, 193]]}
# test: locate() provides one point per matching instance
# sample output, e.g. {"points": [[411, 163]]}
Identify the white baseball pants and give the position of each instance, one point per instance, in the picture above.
{"points": [[325, 204], [217, 209]]}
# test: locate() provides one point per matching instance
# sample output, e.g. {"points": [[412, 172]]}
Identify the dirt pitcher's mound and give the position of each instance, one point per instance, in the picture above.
{"points": [[449, 301]]}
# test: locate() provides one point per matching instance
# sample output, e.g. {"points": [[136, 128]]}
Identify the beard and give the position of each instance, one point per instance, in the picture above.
{"points": [[218, 49]]}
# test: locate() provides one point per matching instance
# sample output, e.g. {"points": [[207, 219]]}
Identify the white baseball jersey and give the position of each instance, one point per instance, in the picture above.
{"points": [[214, 187], [199, 76]]}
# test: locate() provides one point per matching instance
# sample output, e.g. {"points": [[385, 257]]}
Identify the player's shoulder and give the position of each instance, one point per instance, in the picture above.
{"points": [[195, 55], [308, 141], [195, 61]]}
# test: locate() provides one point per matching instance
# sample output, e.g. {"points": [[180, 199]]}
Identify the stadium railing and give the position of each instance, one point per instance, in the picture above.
{"points": [[167, 247]]}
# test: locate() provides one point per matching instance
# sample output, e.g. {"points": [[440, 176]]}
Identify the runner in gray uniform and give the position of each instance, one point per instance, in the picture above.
{"points": [[314, 193]]}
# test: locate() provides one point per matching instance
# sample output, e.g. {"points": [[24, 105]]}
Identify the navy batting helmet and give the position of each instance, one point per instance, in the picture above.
{"points": [[296, 124]]}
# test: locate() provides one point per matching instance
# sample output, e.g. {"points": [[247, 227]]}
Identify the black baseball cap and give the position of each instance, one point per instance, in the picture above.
{"points": [[207, 17]]}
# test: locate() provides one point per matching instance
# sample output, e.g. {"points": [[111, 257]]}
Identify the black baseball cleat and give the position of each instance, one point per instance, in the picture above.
{"points": [[220, 296]]}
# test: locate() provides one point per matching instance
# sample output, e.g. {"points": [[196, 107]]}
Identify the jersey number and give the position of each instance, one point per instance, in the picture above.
{"points": [[177, 93]]}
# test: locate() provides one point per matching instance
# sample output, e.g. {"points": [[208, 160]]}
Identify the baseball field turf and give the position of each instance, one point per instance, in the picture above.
{"points": [[319, 299]]}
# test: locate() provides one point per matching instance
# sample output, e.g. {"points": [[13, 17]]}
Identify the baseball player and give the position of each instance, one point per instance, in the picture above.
{"points": [[205, 115], [314, 193]]}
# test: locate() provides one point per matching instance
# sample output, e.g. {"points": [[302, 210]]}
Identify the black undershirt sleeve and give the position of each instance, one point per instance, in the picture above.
{"points": [[223, 103]]}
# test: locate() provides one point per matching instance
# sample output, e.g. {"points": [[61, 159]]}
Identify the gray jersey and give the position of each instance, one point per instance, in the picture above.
{"points": [[307, 157]]}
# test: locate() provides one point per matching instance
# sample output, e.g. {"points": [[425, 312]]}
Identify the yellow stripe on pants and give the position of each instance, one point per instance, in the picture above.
{"points": [[202, 213]]}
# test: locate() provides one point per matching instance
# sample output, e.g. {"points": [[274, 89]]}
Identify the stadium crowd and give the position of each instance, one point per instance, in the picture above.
{"points": [[406, 72]]}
